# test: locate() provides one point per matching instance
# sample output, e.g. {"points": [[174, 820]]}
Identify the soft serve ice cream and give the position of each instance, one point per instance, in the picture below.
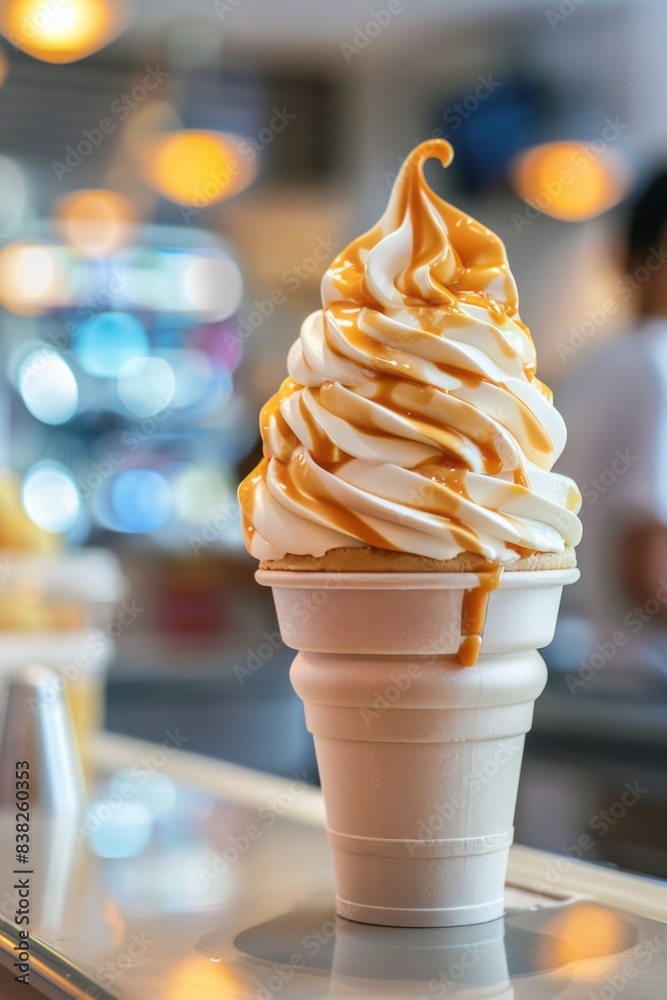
{"points": [[412, 420], [409, 456]]}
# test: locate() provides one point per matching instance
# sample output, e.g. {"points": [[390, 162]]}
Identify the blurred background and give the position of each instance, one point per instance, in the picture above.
{"points": [[174, 178]]}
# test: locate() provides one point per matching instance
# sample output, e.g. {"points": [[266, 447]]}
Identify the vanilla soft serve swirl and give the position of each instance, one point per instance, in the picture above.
{"points": [[412, 419]]}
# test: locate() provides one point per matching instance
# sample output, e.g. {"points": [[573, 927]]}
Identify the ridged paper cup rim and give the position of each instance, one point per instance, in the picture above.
{"points": [[305, 580]]}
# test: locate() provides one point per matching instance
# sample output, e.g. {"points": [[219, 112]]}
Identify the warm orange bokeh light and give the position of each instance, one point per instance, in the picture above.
{"points": [[32, 278], [96, 222], [569, 180], [198, 977], [197, 168], [61, 31], [582, 932]]}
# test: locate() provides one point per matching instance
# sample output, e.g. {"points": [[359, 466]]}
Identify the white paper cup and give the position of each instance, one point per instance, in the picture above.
{"points": [[419, 756]]}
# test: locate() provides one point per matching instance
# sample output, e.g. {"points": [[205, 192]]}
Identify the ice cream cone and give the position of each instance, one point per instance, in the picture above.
{"points": [[419, 756], [407, 463]]}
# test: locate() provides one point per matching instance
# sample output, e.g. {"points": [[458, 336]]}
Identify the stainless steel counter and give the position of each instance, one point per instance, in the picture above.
{"points": [[188, 879]]}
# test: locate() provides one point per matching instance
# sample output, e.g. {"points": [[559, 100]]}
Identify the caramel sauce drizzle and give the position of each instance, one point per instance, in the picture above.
{"points": [[463, 259], [473, 614]]}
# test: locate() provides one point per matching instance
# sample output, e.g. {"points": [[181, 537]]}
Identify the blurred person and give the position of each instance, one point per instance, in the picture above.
{"points": [[616, 410]]}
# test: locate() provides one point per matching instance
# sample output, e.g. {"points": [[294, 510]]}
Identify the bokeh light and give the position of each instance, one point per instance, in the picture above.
{"points": [[146, 385], [123, 831], [17, 530], [96, 222], [193, 374], [223, 390], [61, 31], [155, 792], [32, 277], [220, 341], [199, 976], [581, 932], [213, 285], [198, 490], [47, 386], [197, 168], [108, 341], [141, 500], [50, 496], [570, 180]]}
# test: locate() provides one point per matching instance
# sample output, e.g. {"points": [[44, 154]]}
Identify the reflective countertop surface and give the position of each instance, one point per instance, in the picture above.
{"points": [[187, 879]]}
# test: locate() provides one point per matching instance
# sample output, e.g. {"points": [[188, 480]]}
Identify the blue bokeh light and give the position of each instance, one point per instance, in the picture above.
{"points": [[141, 500], [108, 341]]}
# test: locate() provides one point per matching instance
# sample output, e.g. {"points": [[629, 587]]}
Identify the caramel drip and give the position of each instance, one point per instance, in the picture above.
{"points": [[521, 550], [473, 614]]}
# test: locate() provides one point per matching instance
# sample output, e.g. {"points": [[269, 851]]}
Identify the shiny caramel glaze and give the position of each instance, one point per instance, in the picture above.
{"points": [[473, 614]]}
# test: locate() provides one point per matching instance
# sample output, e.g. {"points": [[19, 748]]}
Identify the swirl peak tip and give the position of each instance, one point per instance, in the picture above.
{"points": [[430, 149]]}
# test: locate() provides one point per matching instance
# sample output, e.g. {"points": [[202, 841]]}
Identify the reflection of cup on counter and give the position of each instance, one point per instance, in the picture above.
{"points": [[422, 962], [57, 610]]}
